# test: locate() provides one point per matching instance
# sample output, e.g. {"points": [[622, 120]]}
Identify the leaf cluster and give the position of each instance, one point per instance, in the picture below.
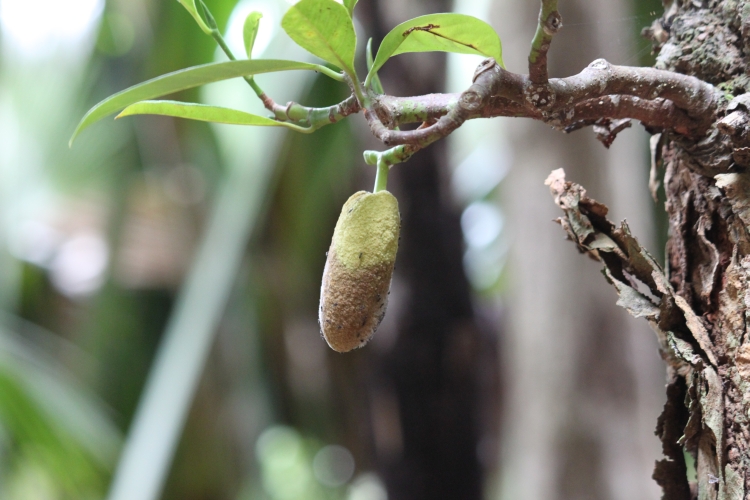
{"points": [[322, 27]]}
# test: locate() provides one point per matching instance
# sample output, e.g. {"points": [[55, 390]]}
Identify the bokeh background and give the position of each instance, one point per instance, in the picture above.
{"points": [[159, 280]]}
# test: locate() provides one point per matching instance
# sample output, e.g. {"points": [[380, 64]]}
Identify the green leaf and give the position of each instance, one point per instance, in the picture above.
{"points": [[375, 83], [440, 32], [201, 112], [250, 31], [349, 4], [324, 28], [186, 79], [192, 8]]}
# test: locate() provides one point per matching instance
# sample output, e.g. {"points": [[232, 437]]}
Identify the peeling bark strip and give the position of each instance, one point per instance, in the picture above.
{"points": [[708, 353], [671, 472], [643, 288], [699, 306]]}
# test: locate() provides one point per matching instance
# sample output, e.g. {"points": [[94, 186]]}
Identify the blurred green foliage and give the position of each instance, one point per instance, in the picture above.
{"points": [[63, 414], [121, 172]]}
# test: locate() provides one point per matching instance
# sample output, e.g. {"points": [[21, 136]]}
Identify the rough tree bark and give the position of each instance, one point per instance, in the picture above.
{"points": [[698, 303]]}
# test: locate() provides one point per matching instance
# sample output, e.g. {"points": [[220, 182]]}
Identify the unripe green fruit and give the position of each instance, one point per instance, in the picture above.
{"points": [[357, 276]]}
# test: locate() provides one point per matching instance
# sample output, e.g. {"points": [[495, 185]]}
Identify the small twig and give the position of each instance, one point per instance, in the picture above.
{"points": [[308, 119], [384, 160], [391, 157], [217, 36], [420, 137], [550, 22], [606, 130]]}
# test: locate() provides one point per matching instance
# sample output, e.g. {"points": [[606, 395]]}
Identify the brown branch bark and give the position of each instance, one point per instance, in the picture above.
{"points": [[661, 100]]}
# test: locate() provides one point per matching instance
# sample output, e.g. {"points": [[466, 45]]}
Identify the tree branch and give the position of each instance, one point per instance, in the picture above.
{"points": [[658, 113], [660, 99], [602, 95], [313, 118]]}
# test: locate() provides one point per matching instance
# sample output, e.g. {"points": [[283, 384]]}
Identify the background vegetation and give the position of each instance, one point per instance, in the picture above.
{"points": [[195, 251]]}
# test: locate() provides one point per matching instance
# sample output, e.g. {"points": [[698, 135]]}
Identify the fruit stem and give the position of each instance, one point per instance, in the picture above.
{"points": [[381, 177]]}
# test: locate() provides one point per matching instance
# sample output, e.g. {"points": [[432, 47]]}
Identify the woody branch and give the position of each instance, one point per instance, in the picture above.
{"points": [[659, 99], [603, 95], [600, 94]]}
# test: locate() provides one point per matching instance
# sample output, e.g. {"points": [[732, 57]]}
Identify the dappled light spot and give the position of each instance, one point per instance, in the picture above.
{"points": [[38, 27], [333, 466]]}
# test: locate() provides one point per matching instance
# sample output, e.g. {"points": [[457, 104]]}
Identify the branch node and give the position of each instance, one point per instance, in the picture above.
{"points": [[485, 65], [471, 100], [540, 97], [553, 24], [600, 64]]}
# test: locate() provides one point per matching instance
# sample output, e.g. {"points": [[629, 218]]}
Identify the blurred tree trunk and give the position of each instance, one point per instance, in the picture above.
{"points": [[584, 379], [426, 396]]}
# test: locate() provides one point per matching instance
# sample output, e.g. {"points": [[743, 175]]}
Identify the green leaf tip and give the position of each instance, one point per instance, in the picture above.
{"points": [[374, 80], [324, 28], [192, 8], [456, 33], [185, 79], [250, 31], [349, 4]]}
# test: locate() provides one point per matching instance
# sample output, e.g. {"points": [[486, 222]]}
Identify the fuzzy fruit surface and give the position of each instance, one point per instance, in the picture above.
{"points": [[357, 275], [367, 230]]}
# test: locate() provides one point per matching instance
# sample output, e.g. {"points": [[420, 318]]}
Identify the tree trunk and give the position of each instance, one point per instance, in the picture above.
{"points": [[708, 260], [698, 305]]}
